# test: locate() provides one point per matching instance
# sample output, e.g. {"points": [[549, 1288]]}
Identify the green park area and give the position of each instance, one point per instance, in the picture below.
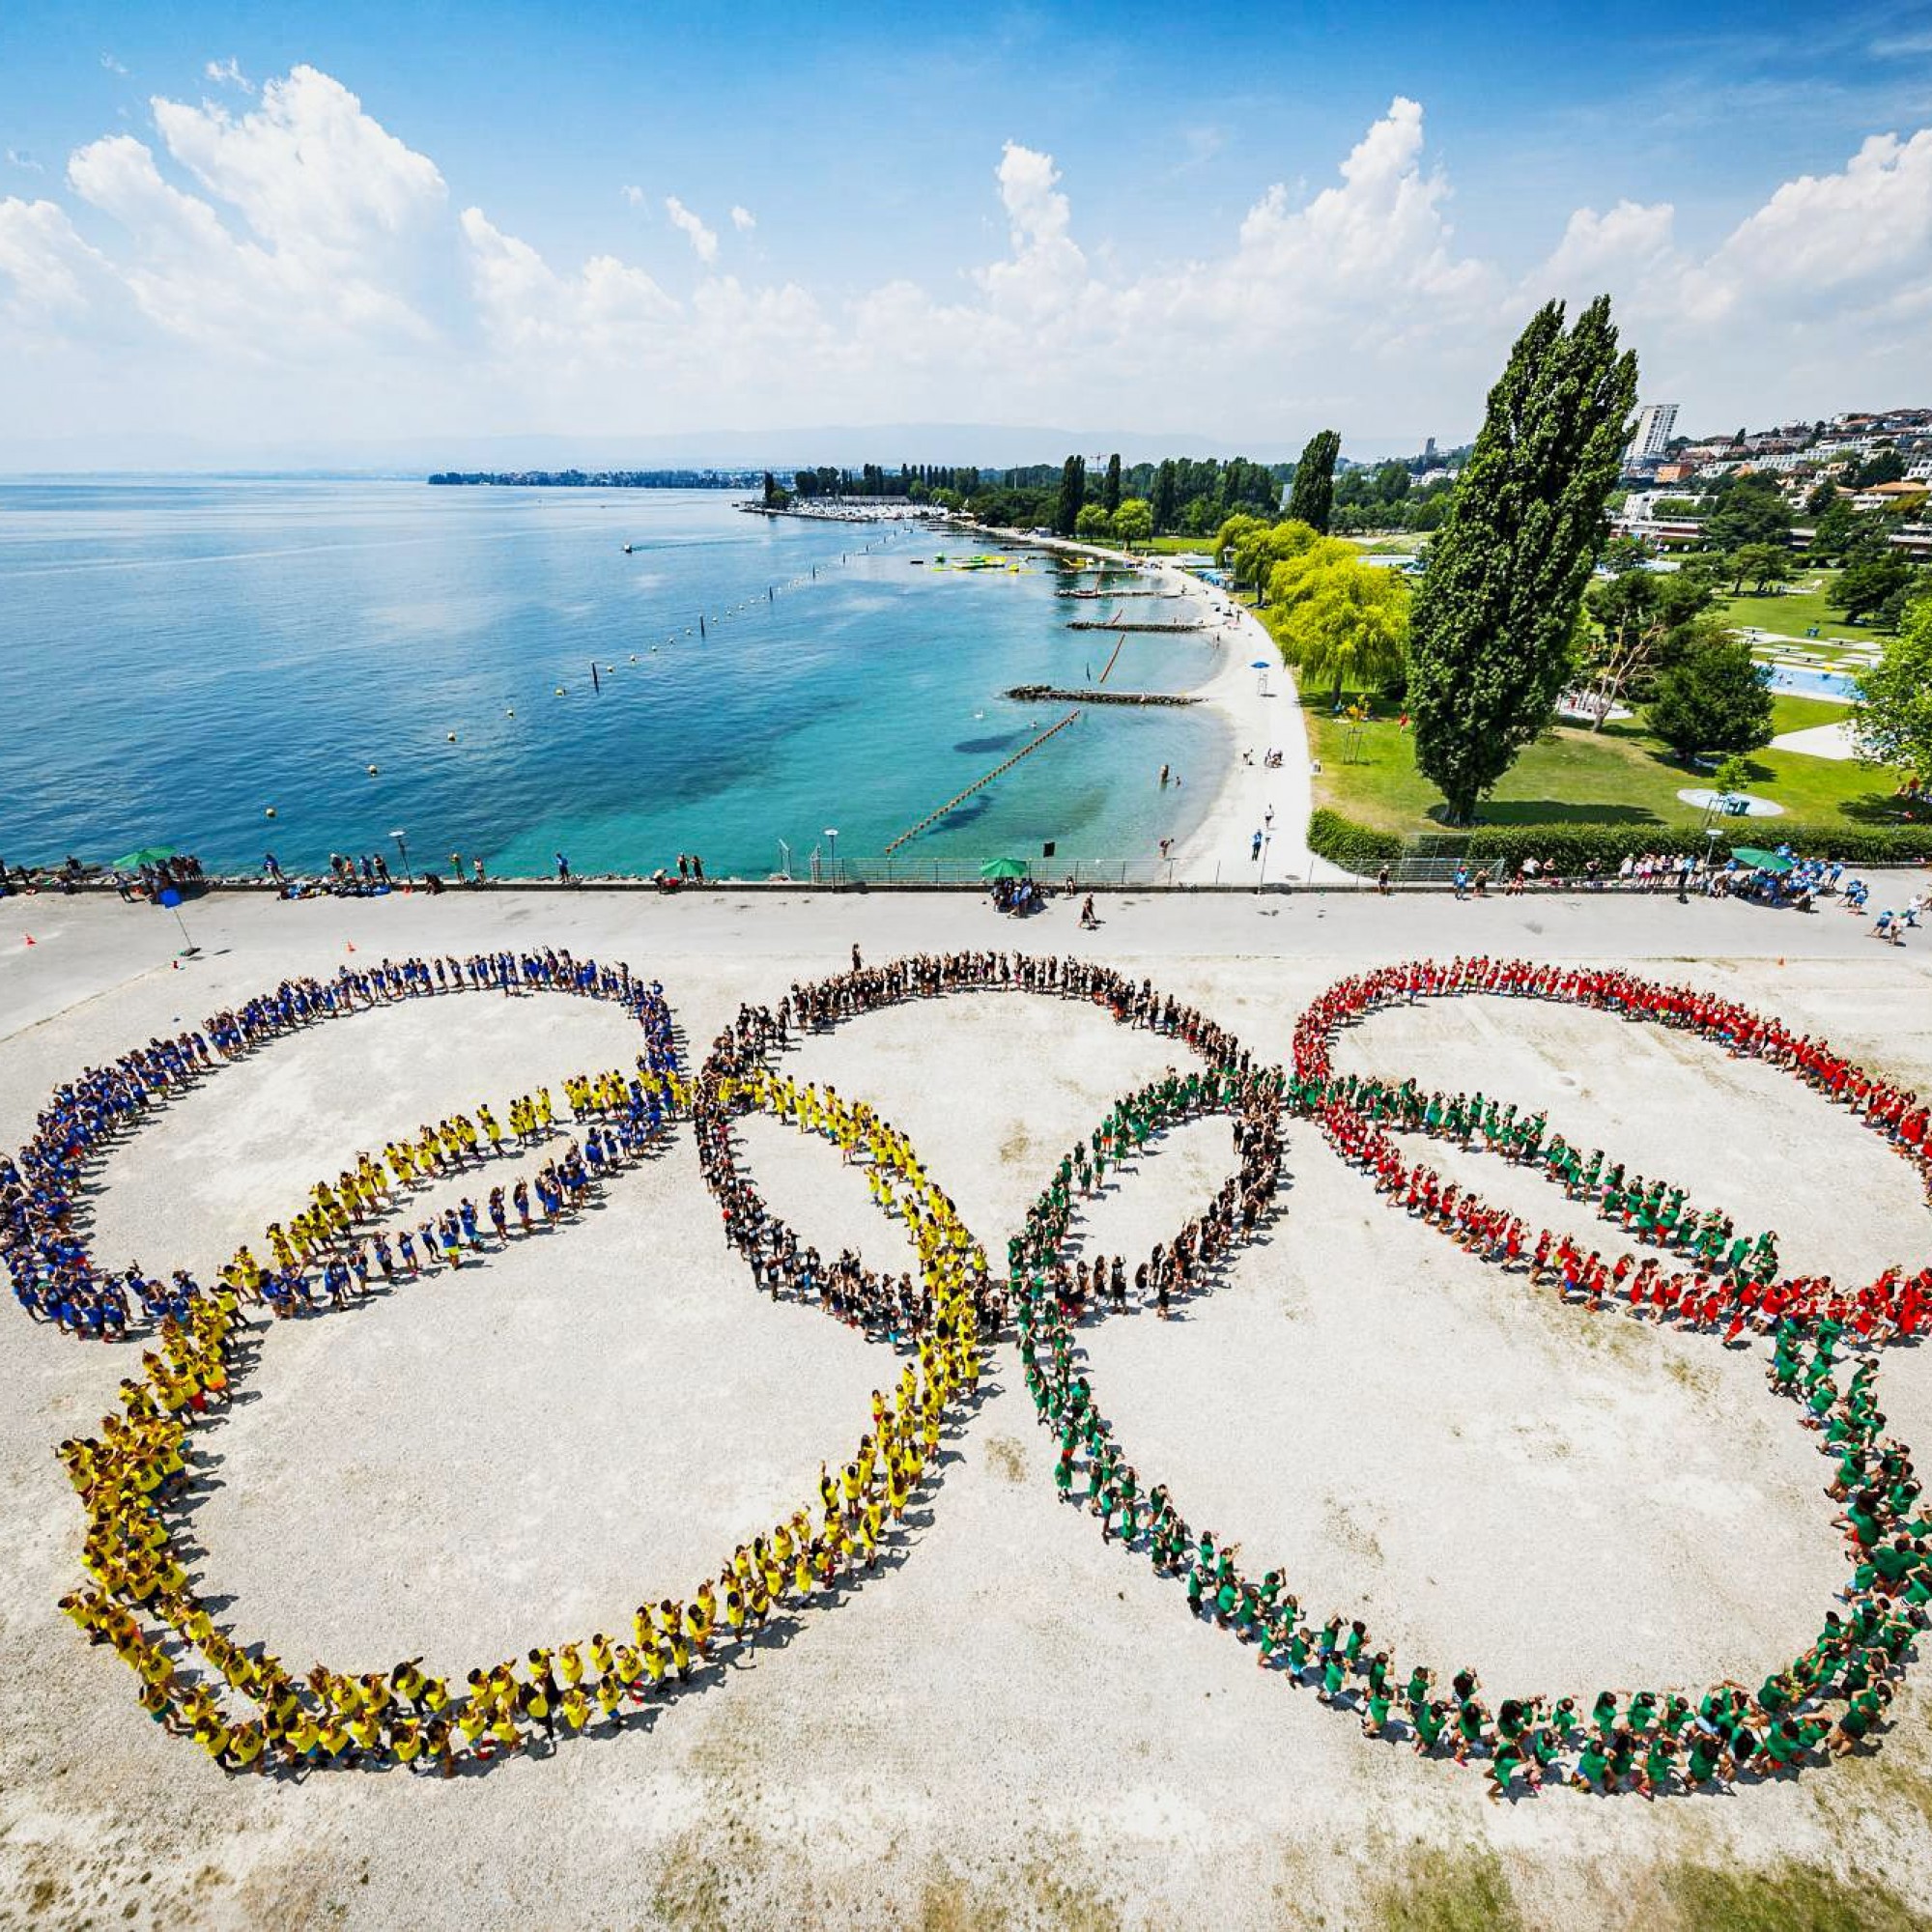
{"points": [[1791, 613], [1572, 778]]}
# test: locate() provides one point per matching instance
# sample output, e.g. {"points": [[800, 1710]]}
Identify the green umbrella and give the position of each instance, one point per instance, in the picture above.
{"points": [[1765, 862], [1004, 869], [144, 855]]}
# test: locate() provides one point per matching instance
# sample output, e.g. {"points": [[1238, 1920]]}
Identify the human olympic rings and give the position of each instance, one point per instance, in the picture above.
{"points": [[1652, 1738], [132, 1478]]}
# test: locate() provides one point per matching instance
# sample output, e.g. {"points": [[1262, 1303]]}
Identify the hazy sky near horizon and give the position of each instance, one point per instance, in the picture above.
{"points": [[351, 221]]}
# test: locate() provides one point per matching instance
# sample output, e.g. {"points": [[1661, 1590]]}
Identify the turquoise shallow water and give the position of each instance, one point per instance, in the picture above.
{"points": [[183, 655]]}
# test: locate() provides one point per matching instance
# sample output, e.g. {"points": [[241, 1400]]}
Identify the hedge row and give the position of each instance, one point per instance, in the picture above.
{"points": [[1569, 849], [1356, 848]]}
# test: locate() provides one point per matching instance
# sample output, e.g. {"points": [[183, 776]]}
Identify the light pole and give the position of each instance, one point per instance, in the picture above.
{"points": [[403, 849], [832, 838]]}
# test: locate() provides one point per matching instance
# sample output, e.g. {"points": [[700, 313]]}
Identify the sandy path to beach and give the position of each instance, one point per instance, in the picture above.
{"points": [[1262, 713]]}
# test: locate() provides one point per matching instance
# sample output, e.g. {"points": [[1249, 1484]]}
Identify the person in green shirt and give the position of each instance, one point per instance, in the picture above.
{"points": [[1429, 1720], [1375, 1713], [1593, 1766]]}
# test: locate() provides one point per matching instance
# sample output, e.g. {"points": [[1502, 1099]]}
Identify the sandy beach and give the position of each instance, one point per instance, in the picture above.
{"points": [[1013, 1723], [1262, 713]]}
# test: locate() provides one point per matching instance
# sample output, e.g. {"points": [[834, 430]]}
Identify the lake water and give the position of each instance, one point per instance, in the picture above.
{"points": [[183, 655]]}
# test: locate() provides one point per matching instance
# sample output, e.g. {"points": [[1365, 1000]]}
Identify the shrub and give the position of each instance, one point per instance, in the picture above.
{"points": [[1356, 848], [1568, 850]]}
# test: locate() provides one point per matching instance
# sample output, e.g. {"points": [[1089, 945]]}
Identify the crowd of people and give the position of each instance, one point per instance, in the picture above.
{"points": [[238, 1701], [53, 1275], [1700, 1270], [1828, 1700]]}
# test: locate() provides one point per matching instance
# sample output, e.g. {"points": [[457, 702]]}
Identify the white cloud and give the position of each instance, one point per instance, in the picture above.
{"points": [[703, 241], [308, 167], [228, 74], [45, 267], [337, 206], [292, 250], [608, 307], [1821, 232], [25, 162], [112, 65]]}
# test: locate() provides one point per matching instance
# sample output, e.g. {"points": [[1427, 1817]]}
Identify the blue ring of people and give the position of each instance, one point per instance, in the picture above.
{"points": [[1698, 1271]]}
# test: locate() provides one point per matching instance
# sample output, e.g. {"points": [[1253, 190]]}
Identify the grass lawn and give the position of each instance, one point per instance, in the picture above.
{"points": [[1179, 547], [1575, 776], [1794, 612]]}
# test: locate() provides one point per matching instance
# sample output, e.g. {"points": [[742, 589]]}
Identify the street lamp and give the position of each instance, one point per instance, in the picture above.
{"points": [[831, 835], [402, 848]]}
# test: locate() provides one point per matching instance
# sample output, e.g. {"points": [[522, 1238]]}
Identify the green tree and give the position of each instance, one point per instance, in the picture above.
{"points": [[1489, 643], [1093, 522], [1133, 522], [1716, 699], [1893, 717], [1072, 494], [1882, 466], [1623, 555], [1823, 495], [1760, 565], [1110, 490], [1837, 528], [1333, 614], [1311, 501], [1862, 587], [1752, 511], [1166, 496]]}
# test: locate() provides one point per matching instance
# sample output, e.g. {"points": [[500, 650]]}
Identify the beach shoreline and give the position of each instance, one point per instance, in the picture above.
{"points": [[1258, 713]]}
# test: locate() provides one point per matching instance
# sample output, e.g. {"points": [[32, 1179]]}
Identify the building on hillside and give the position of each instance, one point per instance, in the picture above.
{"points": [[1890, 497], [1655, 422]]}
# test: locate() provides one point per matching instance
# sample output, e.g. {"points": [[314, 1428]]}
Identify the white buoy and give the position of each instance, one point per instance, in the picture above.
{"points": [[269, 812], [452, 737], [559, 691], [372, 771], [511, 712]]}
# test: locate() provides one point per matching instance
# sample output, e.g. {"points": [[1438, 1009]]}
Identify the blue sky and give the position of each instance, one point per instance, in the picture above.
{"points": [[359, 220]]}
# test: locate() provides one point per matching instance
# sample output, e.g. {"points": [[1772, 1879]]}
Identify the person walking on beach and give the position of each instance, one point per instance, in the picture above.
{"points": [[562, 870]]}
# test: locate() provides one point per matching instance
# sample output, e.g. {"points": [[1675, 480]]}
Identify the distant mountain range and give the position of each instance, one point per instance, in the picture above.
{"points": [[988, 445]]}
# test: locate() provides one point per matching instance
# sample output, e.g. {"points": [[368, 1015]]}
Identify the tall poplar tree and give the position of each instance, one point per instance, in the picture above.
{"points": [[1110, 490], [1072, 494], [1310, 498], [1166, 496], [1490, 640]]}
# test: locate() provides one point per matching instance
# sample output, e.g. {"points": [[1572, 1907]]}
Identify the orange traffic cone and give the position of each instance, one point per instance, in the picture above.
{"points": [[351, 943]]}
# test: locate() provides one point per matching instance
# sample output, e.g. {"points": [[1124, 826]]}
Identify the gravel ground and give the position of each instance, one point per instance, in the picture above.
{"points": [[1011, 1723]]}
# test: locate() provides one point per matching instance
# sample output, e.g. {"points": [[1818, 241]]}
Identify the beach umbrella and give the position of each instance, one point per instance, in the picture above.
{"points": [[170, 896], [1765, 862], [1260, 664], [144, 855], [1004, 869]]}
